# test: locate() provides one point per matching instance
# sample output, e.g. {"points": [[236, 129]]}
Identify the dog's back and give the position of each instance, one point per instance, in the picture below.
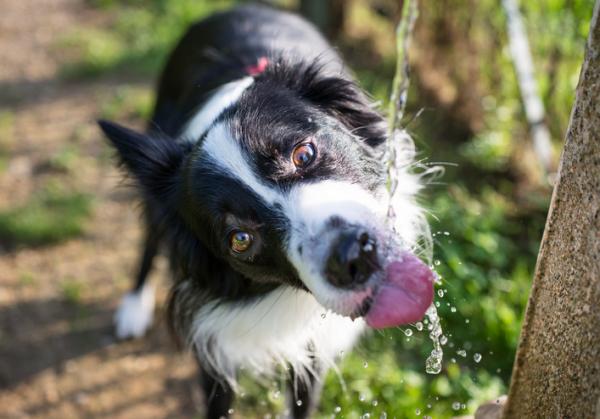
{"points": [[228, 46]]}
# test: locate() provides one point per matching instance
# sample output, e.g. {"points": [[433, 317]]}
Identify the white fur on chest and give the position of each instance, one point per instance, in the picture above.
{"points": [[287, 326]]}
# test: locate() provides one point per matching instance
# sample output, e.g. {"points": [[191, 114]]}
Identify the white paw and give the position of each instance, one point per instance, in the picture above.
{"points": [[135, 313]]}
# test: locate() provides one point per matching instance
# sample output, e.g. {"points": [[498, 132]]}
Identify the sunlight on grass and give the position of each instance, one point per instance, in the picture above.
{"points": [[50, 217], [129, 102]]}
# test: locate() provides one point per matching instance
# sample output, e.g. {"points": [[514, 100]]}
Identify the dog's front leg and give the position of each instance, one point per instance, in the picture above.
{"points": [[305, 391], [218, 396]]}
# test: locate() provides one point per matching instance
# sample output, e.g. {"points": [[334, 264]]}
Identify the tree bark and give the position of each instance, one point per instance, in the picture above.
{"points": [[557, 368]]}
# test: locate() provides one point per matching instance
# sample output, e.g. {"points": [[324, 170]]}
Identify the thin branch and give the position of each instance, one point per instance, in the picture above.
{"points": [[400, 86], [523, 62]]}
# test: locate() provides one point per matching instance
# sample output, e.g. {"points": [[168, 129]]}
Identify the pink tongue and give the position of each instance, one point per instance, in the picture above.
{"points": [[404, 295]]}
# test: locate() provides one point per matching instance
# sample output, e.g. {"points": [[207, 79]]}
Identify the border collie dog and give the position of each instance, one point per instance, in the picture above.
{"points": [[263, 173]]}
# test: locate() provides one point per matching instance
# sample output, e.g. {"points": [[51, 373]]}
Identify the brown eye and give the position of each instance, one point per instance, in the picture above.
{"points": [[240, 241], [303, 155]]}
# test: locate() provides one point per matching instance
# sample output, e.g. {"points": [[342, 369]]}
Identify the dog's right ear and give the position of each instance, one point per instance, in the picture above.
{"points": [[154, 161]]}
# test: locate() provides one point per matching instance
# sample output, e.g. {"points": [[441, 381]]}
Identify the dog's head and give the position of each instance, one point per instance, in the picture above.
{"points": [[281, 178]]}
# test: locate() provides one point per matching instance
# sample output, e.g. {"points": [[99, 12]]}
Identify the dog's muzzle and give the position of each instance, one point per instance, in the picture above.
{"points": [[353, 258]]}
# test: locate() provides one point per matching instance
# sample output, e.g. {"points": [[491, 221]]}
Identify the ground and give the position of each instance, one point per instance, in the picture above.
{"points": [[58, 356]]}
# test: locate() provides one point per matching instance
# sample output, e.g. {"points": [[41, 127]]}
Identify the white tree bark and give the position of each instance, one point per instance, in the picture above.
{"points": [[534, 107]]}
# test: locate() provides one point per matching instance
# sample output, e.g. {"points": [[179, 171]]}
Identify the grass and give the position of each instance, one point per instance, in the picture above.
{"points": [[72, 291], [50, 217], [137, 40], [6, 136], [128, 102]]}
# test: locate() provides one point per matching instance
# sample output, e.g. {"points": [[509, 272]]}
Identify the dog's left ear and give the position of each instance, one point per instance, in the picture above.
{"points": [[153, 160], [345, 101]]}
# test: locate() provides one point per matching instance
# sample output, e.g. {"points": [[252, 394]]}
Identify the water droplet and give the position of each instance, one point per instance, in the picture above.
{"points": [[433, 363], [453, 360], [462, 353], [276, 394], [298, 402], [443, 339], [498, 371], [437, 263], [374, 402], [361, 397], [408, 332], [446, 233], [366, 364], [437, 303], [366, 416], [440, 292], [456, 405], [419, 326], [453, 309], [337, 409], [323, 315], [467, 321], [417, 412], [463, 406], [428, 406], [231, 411], [383, 415], [477, 358]]}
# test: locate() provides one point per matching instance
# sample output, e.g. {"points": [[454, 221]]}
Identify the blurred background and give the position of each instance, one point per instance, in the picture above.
{"points": [[69, 226]]}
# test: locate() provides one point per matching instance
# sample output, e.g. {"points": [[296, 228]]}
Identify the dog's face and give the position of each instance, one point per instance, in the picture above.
{"points": [[287, 185]]}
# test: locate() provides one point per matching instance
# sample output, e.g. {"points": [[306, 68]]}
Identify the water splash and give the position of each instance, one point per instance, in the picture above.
{"points": [[433, 364]]}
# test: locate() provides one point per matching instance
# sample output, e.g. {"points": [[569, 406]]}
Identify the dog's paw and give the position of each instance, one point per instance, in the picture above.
{"points": [[135, 313]]}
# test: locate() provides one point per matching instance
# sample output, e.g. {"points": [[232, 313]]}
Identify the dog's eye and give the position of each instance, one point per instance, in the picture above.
{"points": [[303, 155], [240, 241]]}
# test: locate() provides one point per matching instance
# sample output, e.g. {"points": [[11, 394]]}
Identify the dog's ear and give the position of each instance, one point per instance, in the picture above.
{"points": [[344, 100], [154, 161]]}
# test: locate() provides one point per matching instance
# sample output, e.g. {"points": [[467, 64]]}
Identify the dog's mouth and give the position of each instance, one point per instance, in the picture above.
{"points": [[376, 279], [401, 296]]}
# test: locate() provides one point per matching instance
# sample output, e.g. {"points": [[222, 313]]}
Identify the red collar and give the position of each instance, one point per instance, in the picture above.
{"points": [[259, 67]]}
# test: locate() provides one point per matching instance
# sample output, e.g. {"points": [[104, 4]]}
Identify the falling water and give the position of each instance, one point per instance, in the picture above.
{"points": [[433, 364]]}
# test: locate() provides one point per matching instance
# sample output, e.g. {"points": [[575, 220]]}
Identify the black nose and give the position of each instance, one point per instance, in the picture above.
{"points": [[352, 260]]}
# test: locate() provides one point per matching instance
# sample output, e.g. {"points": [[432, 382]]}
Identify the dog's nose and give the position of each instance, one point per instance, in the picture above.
{"points": [[352, 260]]}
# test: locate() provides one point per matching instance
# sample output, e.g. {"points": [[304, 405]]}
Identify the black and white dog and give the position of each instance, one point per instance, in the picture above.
{"points": [[262, 171]]}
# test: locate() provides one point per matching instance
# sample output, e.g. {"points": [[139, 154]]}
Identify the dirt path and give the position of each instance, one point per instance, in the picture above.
{"points": [[58, 358]]}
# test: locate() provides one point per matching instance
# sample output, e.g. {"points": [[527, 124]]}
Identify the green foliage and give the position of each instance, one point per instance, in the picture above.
{"points": [[50, 217], [128, 102], [138, 38], [72, 290], [65, 159], [6, 136]]}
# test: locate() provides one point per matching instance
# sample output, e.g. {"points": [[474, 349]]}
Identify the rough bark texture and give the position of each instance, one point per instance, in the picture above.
{"points": [[557, 368]]}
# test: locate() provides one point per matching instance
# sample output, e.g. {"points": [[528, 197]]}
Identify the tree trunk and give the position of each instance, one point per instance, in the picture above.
{"points": [[557, 368]]}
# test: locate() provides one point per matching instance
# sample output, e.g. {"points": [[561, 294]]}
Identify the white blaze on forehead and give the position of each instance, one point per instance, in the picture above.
{"points": [[221, 99], [225, 152], [314, 204]]}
